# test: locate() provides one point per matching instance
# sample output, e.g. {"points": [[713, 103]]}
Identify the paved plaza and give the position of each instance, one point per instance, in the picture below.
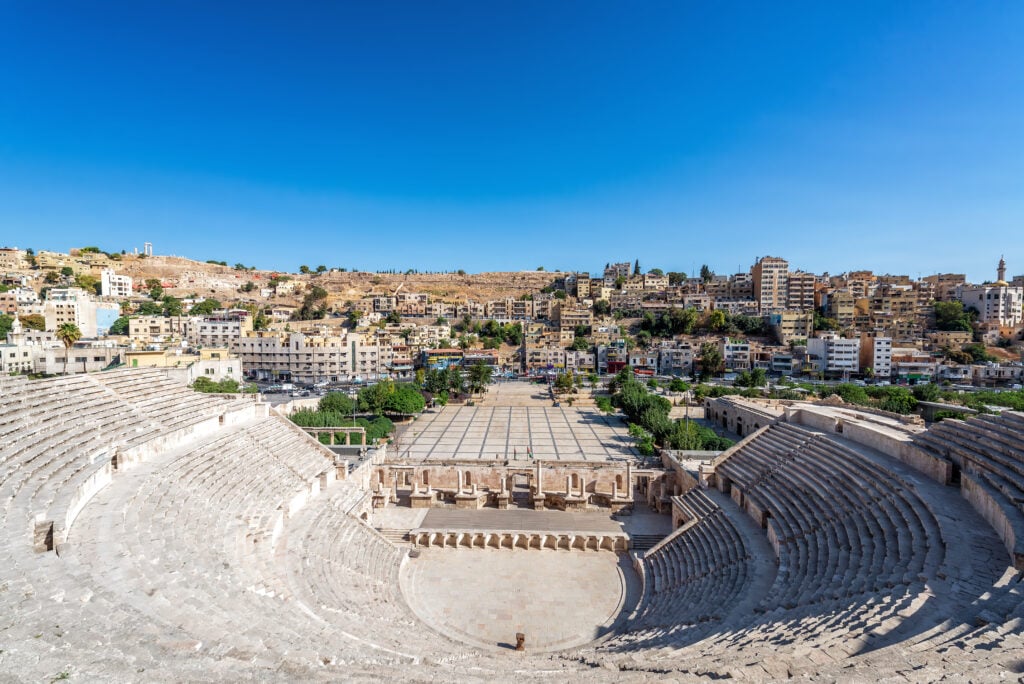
{"points": [[558, 599], [490, 433]]}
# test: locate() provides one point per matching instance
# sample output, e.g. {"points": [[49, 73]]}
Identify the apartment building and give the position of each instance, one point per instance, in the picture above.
{"points": [[834, 355], [12, 259], [18, 300], [676, 359], [770, 276], [800, 291], [156, 329], [736, 354], [299, 357], [580, 361], [791, 325], [114, 285], [218, 330], [876, 354], [75, 305], [620, 270]]}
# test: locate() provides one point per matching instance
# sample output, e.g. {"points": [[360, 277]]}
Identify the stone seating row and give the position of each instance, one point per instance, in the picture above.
{"points": [[349, 574], [840, 525], [699, 573], [161, 399], [199, 533], [989, 451]]}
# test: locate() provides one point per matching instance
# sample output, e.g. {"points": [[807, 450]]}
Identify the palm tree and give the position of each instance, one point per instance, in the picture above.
{"points": [[68, 333]]}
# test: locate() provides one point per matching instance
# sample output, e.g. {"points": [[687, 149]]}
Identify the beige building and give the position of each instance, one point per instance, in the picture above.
{"points": [[791, 325], [771, 283], [313, 358], [156, 329], [800, 291]]}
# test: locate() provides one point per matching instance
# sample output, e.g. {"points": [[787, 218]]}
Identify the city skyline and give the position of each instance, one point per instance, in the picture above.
{"points": [[505, 139]]}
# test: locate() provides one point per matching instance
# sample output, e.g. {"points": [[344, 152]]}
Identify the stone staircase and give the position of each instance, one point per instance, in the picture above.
{"points": [[395, 536], [643, 542]]}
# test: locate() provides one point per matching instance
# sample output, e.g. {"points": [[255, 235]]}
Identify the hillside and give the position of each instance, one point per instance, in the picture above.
{"points": [[185, 276]]}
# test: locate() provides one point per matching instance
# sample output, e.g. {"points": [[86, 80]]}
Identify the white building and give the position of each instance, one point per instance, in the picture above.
{"points": [[75, 305], [834, 355], [998, 303], [876, 354], [218, 330], [114, 285], [308, 358]]}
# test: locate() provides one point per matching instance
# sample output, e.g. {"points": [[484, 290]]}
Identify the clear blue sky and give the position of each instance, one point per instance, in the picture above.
{"points": [[487, 136]]}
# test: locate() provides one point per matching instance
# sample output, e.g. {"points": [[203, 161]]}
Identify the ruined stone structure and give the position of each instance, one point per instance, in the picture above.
{"points": [[149, 532]]}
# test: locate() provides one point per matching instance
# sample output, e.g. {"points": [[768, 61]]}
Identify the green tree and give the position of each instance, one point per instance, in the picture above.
{"points": [[314, 305], [321, 268], [68, 334], [952, 316], [677, 385], [706, 274], [405, 399], [676, 277], [67, 271], [636, 268], [656, 272], [249, 286], [119, 327], [711, 361], [337, 402], [898, 400], [6, 323], [353, 318], [51, 278], [602, 307], [580, 344], [304, 269], [456, 383], [717, 320], [479, 376], [205, 307], [172, 306]]}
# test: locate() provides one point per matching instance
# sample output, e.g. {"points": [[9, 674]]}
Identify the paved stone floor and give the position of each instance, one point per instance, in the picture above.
{"points": [[558, 599], [501, 433], [526, 520]]}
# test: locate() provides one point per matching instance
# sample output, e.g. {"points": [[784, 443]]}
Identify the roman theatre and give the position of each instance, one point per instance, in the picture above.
{"points": [[151, 533]]}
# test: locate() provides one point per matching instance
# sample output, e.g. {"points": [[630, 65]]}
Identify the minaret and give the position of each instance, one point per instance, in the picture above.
{"points": [[1001, 271]]}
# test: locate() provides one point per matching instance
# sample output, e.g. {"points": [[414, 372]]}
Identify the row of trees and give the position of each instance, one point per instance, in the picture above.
{"points": [[648, 415], [444, 383]]}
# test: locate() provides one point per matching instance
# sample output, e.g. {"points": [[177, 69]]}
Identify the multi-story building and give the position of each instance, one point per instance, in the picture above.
{"points": [[156, 329], [75, 305], [771, 279], [999, 303], [299, 357], [218, 330], [619, 270], [612, 357], [114, 285], [12, 259], [944, 285], [580, 361], [675, 359], [790, 325], [800, 291], [735, 354], [841, 306], [17, 300], [834, 355], [545, 358], [876, 354]]}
